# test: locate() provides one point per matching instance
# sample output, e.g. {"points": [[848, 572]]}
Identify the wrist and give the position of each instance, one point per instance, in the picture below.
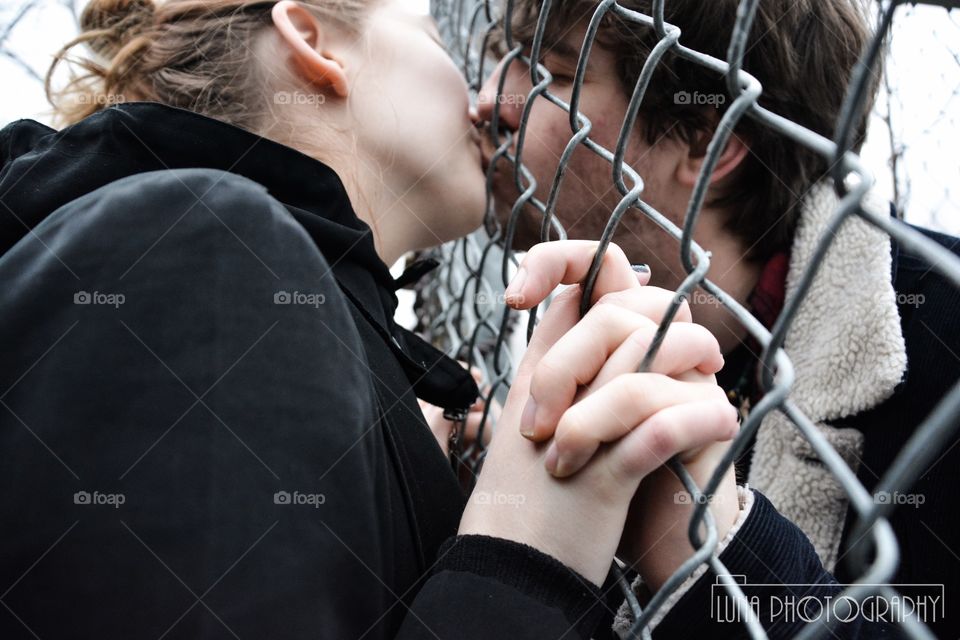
{"points": [[663, 543], [550, 529]]}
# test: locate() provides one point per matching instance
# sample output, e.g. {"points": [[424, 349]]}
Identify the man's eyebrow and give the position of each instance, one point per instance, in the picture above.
{"points": [[560, 49]]}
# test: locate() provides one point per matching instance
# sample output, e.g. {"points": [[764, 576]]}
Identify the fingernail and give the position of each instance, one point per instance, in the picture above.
{"points": [[516, 285], [641, 268], [527, 419], [552, 459]]}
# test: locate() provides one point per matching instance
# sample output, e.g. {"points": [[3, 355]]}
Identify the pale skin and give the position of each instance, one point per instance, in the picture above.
{"points": [[609, 427]]}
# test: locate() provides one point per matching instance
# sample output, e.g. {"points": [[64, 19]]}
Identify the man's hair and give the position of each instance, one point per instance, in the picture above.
{"points": [[802, 51]]}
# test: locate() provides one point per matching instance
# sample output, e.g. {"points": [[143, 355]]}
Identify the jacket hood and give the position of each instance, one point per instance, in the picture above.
{"points": [[41, 169]]}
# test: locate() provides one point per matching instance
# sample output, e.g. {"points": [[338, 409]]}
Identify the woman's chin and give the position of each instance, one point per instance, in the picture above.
{"points": [[472, 205]]}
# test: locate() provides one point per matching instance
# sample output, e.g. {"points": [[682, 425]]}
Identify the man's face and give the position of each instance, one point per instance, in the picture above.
{"points": [[588, 194]]}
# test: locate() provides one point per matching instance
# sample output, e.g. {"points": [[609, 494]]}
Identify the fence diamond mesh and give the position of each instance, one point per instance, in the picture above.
{"points": [[462, 310]]}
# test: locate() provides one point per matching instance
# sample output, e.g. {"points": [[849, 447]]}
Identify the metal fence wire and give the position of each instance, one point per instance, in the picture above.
{"points": [[461, 309]]}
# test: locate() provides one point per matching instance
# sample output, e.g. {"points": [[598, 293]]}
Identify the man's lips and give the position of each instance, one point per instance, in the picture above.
{"points": [[486, 156]]}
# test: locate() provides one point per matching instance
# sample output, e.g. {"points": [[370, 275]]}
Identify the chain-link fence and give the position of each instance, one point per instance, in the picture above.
{"points": [[461, 309]]}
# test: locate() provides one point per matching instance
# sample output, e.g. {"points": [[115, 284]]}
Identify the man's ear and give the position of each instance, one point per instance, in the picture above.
{"points": [[304, 34], [688, 170]]}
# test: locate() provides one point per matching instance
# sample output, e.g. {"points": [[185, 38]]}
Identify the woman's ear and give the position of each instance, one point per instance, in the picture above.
{"points": [[688, 169], [305, 36]]}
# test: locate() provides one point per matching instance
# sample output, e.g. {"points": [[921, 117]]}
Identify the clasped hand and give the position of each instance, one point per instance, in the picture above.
{"points": [[581, 429]]}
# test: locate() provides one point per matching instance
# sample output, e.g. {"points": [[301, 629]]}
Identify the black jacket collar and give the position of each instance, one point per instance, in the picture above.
{"points": [[42, 169]]}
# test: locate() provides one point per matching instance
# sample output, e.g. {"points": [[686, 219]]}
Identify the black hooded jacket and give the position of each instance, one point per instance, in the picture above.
{"points": [[208, 422]]}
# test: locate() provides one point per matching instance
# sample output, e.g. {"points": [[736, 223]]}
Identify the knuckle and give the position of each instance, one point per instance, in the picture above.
{"points": [[643, 336], [614, 255], [611, 298], [604, 314], [547, 374], [533, 254], [698, 335], [683, 313], [660, 437], [719, 394], [632, 390], [567, 294], [572, 431], [663, 298]]}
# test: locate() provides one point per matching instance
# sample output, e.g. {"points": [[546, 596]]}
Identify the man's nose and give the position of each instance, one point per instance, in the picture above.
{"points": [[510, 102]]}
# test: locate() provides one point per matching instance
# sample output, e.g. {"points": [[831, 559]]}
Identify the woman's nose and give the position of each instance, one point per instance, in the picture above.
{"points": [[510, 102]]}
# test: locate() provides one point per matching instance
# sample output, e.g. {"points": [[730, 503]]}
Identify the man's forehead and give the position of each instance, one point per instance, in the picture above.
{"points": [[561, 38]]}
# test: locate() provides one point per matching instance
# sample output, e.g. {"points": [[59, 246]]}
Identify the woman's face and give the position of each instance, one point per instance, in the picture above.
{"points": [[411, 110]]}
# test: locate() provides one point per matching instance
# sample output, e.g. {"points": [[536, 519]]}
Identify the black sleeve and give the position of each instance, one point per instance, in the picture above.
{"points": [[188, 450], [186, 437], [484, 588], [778, 567]]}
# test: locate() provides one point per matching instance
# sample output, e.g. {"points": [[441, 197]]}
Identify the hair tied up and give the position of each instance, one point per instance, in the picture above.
{"points": [[118, 32], [110, 25]]}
